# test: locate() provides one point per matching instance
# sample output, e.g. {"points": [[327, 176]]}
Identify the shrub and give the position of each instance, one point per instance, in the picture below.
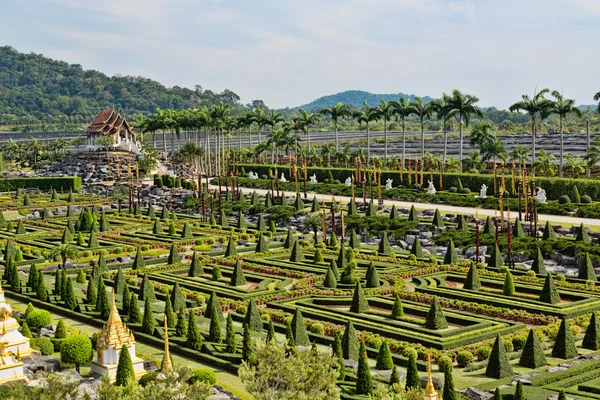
{"points": [[317, 328], [147, 378], [498, 364], [443, 362], [203, 375], [464, 358], [453, 189], [44, 345], [38, 319], [466, 191], [483, 353], [564, 199], [585, 199]]}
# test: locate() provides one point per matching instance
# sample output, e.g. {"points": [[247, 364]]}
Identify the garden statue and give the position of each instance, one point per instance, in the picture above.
{"points": [[313, 179], [348, 182], [431, 189], [540, 197], [252, 175], [388, 184], [483, 192], [282, 179]]}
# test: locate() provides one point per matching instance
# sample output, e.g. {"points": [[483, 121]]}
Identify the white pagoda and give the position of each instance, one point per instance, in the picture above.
{"points": [[14, 341], [113, 336]]}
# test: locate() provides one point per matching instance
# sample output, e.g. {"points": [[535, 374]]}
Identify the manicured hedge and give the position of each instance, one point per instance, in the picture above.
{"points": [[42, 183]]}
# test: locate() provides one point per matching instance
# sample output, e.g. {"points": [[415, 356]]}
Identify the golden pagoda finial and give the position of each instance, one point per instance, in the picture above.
{"points": [[113, 317], [167, 365], [430, 392], [18, 357]]}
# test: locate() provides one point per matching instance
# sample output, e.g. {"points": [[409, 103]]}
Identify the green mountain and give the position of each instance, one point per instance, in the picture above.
{"points": [[37, 88], [355, 98]]}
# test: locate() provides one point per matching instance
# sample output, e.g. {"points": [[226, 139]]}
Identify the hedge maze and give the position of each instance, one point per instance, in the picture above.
{"points": [[242, 275]]}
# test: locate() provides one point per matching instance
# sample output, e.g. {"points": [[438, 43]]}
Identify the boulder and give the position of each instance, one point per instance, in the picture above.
{"points": [[437, 382], [476, 394]]}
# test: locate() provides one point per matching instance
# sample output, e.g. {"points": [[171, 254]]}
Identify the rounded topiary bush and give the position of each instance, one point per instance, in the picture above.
{"points": [[453, 189], [466, 191], [317, 328], [508, 345], [408, 351], [443, 362], [483, 353], [38, 319], [518, 342], [44, 345], [564, 199], [464, 358], [241, 310], [585, 199], [147, 378], [204, 375], [337, 182]]}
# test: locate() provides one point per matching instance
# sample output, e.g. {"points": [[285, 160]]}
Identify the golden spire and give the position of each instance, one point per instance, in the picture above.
{"points": [[113, 317], [167, 365], [430, 391]]}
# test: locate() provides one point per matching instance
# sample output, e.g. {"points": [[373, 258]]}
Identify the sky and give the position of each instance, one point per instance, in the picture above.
{"points": [[290, 52]]}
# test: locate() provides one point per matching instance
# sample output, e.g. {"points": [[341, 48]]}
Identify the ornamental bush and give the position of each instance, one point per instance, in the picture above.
{"points": [[564, 199], [397, 309], [586, 269], [532, 355], [498, 364], [549, 293], [564, 344], [472, 281], [591, 340], [44, 345], [413, 381], [372, 277], [350, 345], [464, 358], [451, 256], [125, 372], [359, 300], [299, 329], [38, 319], [364, 383], [252, 317], [384, 245], [435, 316], [204, 375], [76, 349], [509, 285]]}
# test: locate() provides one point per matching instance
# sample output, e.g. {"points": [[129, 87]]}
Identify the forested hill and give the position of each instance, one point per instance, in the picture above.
{"points": [[34, 87], [355, 98]]}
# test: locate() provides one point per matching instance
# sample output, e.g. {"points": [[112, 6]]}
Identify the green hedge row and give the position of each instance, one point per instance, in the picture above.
{"points": [[43, 183], [554, 187]]}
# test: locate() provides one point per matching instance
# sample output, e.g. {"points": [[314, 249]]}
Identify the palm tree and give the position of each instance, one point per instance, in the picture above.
{"points": [[575, 165], [481, 134], [313, 223], [532, 106], [345, 155], [519, 153], [326, 151], [422, 110], [386, 111], [597, 98], [274, 118], [120, 194], [260, 117], [336, 112], [562, 107], [545, 164], [403, 110], [592, 156], [473, 160], [367, 115], [307, 119], [439, 109], [64, 251], [462, 107]]}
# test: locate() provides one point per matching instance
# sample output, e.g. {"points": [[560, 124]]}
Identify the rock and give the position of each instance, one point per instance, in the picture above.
{"points": [[351, 363], [476, 394], [410, 239], [47, 333], [525, 382], [556, 369], [70, 374], [150, 366], [425, 235], [40, 363], [437, 382]]}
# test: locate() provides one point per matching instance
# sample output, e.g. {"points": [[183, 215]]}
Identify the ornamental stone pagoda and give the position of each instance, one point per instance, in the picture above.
{"points": [[14, 341]]}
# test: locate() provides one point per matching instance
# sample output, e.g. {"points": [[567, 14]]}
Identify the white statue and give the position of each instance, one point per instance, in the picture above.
{"points": [[348, 182], [483, 192], [282, 179], [431, 188], [388, 184], [252, 175], [540, 197], [313, 179]]}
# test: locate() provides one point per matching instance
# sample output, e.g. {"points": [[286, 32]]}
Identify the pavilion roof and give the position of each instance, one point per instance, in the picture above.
{"points": [[108, 122]]}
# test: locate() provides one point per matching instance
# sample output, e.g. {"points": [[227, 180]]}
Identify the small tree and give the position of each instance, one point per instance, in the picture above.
{"points": [[271, 331], [25, 331], [238, 278], [261, 244], [549, 291], [549, 233], [412, 215], [213, 304], [252, 318], [41, 292], [148, 321], [138, 261], [364, 383], [194, 338], [125, 372], [384, 357], [438, 221], [181, 326], [517, 229], [231, 250], [174, 257], [412, 374], [498, 364], [230, 340], [214, 334], [146, 289], [384, 245], [449, 393], [169, 313], [417, 249], [195, 266], [451, 256], [532, 355], [61, 330], [330, 281], [102, 304], [472, 281], [76, 349], [586, 269], [564, 344], [435, 316], [359, 300], [495, 260], [519, 395], [70, 300], [372, 277], [591, 340], [350, 345], [397, 309], [538, 265], [582, 235], [299, 329], [509, 285], [247, 344], [119, 282], [297, 255], [177, 297], [91, 292], [135, 315]]}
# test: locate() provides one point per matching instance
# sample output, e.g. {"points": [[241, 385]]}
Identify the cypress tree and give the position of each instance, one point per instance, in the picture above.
{"points": [[80, 240], [164, 214], [451, 256], [138, 261], [562, 395], [354, 242], [371, 209], [194, 337], [270, 331], [230, 340], [231, 249], [67, 237], [412, 374], [350, 342], [137, 210], [70, 300], [20, 228], [247, 344], [151, 213], [488, 228], [125, 373], [498, 364], [181, 326], [564, 344], [397, 309], [104, 224], [268, 200], [298, 203], [549, 233], [575, 197], [63, 288], [299, 329], [261, 226], [126, 300], [538, 265], [25, 331], [289, 240], [102, 304], [582, 235], [238, 278], [412, 215], [195, 266], [394, 378], [102, 267], [549, 291], [54, 195], [61, 330], [213, 301], [146, 290], [177, 297], [216, 273], [119, 282], [532, 355], [364, 383], [214, 334], [261, 245], [252, 317], [338, 353], [148, 321], [316, 206], [448, 392], [517, 229], [461, 223], [135, 315], [186, 232], [519, 395], [472, 281], [241, 222], [435, 316], [173, 231], [297, 255], [359, 301], [394, 212], [174, 257], [318, 256], [169, 314], [372, 277], [352, 210], [80, 276], [509, 285], [384, 357], [33, 278], [591, 340], [341, 260], [41, 292], [384, 245], [91, 293], [93, 240], [333, 240], [334, 269], [438, 221], [223, 220], [586, 269], [272, 227], [70, 226], [495, 260], [417, 249], [284, 201]]}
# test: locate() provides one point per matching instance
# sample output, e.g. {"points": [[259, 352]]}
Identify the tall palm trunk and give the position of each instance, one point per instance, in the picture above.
{"points": [[240, 139], [172, 140], [460, 130], [422, 138], [164, 140], [403, 143], [588, 168], [307, 137], [445, 140], [385, 137], [560, 165], [154, 139], [533, 132], [337, 147]]}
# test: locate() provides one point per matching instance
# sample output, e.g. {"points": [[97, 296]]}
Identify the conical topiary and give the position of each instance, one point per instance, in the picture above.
{"points": [[372, 277], [364, 382], [549, 291], [495, 260], [318, 257], [231, 250], [448, 392], [509, 285], [177, 297], [412, 374], [488, 228], [397, 309], [352, 210], [438, 221], [334, 269], [591, 340], [384, 357], [125, 374], [213, 304], [451, 256], [261, 245], [435, 316], [384, 245], [575, 197], [532, 355], [298, 203], [586, 269], [138, 261], [297, 255], [461, 223], [538, 265], [371, 209], [412, 215], [174, 257], [261, 226], [252, 317], [146, 289], [394, 212], [417, 249], [472, 281], [299, 329], [498, 364], [241, 222], [350, 345], [354, 242], [238, 278], [316, 206], [564, 344], [223, 220], [195, 269], [517, 230], [119, 282], [186, 232], [549, 233], [359, 300], [582, 235]]}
